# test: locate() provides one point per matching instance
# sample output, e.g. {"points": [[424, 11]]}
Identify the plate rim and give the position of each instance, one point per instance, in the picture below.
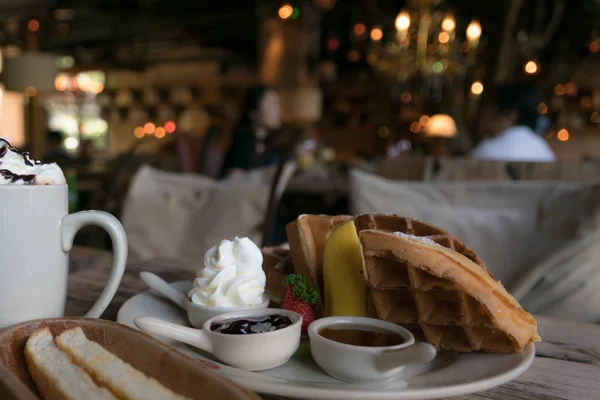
{"points": [[293, 391]]}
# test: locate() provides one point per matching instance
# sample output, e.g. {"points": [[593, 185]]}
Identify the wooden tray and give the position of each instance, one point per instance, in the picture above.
{"points": [[173, 369]]}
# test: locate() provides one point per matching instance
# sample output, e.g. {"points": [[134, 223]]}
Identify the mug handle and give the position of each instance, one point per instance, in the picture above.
{"points": [[72, 223]]}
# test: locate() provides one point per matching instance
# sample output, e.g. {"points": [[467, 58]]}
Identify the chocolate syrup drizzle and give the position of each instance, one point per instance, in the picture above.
{"points": [[11, 176]]}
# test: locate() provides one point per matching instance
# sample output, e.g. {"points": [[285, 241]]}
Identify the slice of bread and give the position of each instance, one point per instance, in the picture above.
{"points": [[108, 370], [307, 236], [55, 376]]}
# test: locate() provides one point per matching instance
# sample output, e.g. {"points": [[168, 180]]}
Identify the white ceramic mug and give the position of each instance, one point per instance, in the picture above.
{"points": [[36, 234]]}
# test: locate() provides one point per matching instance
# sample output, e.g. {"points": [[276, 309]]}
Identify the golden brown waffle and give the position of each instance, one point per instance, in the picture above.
{"points": [[425, 280], [277, 264], [411, 226]]}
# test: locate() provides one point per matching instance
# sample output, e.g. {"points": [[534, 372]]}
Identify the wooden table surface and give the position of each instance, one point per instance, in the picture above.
{"points": [[567, 364]]}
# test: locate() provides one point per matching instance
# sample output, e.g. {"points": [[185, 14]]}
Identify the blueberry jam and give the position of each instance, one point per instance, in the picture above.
{"points": [[247, 326]]}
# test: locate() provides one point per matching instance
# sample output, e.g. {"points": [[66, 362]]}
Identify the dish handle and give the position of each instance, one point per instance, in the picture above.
{"points": [[419, 353], [155, 326]]}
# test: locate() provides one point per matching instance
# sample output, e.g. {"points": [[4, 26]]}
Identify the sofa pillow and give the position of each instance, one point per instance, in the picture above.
{"points": [[565, 284], [180, 216], [510, 225]]}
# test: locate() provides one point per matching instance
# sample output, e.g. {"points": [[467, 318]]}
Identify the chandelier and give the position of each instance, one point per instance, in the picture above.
{"points": [[424, 43]]}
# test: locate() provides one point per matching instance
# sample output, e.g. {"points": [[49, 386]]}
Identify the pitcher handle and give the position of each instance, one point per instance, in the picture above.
{"points": [[72, 223]]}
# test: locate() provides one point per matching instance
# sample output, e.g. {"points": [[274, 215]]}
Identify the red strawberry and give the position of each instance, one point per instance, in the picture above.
{"points": [[300, 298]]}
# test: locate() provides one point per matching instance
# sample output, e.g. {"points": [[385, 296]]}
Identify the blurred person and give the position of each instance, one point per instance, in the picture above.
{"points": [[55, 151], [260, 116], [511, 122], [86, 150], [55, 147]]}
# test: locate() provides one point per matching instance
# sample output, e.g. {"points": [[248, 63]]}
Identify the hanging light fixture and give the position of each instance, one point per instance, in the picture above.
{"points": [[423, 43]]}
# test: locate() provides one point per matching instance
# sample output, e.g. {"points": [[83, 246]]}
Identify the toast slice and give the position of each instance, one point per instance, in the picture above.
{"points": [[55, 376], [307, 236], [108, 370]]}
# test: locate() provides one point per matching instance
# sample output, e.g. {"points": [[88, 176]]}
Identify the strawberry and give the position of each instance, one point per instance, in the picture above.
{"points": [[300, 298]]}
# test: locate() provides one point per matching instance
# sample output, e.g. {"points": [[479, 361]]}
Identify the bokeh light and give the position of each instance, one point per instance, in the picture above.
{"points": [[285, 11], [477, 88], [376, 34], [563, 135], [170, 126], [149, 128]]}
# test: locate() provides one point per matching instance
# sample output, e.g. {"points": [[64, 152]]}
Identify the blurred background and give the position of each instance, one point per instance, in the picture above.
{"points": [[102, 87]]}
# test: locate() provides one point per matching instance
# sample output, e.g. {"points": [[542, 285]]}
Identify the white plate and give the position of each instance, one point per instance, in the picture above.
{"points": [[448, 375]]}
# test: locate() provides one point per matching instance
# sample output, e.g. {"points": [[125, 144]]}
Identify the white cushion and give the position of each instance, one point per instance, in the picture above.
{"points": [[510, 225], [180, 216]]}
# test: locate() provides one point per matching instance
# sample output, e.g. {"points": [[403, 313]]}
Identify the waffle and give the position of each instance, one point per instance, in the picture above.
{"points": [[430, 283], [414, 227]]}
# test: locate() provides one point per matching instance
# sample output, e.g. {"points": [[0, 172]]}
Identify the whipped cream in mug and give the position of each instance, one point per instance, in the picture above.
{"points": [[232, 276], [18, 168]]}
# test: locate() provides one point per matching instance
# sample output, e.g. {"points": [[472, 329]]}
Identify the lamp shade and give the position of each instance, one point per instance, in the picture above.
{"points": [[301, 105], [194, 121], [441, 125], [32, 69]]}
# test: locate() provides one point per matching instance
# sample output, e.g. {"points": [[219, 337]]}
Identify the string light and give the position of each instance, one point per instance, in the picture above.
{"points": [[30, 91], [559, 90], [96, 87], [406, 97], [285, 11], [149, 128], [295, 13], [61, 83], [402, 21], [33, 25], [353, 56], [570, 89], [443, 37], [376, 34], [359, 29], [84, 81], [594, 48], [542, 108], [477, 88], [159, 132], [332, 44], [170, 126], [71, 143], [424, 120], [383, 131], [474, 31], [563, 135], [415, 127], [448, 24], [595, 117], [138, 132], [531, 67], [586, 103]]}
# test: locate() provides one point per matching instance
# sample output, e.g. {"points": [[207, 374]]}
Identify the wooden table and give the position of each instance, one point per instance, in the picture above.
{"points": [[567, 365]]}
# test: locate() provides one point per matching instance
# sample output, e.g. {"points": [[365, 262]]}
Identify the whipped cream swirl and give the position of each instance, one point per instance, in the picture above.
{"points": [[232, 276], [17, 168]]}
